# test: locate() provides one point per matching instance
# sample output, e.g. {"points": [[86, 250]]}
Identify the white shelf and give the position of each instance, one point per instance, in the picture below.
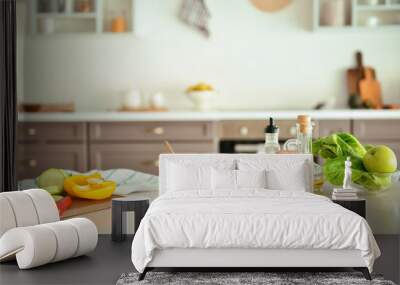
{"points": [[378, 8], [359, 28], [68, 21], [67, 15], [357, 14]]}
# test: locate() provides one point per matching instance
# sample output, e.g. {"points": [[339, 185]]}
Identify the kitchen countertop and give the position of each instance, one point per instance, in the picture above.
{"points": [[206, 116]]}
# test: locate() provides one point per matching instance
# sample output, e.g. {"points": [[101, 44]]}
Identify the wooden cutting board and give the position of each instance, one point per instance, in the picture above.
{"points": [[354, 75], [370, 90], [270, 5]]}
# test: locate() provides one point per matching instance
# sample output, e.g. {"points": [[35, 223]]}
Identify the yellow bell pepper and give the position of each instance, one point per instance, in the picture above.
{"points": [[89, 186]]}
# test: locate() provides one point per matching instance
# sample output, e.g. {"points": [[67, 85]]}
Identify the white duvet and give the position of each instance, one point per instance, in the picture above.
{"points": [[250, 219]]}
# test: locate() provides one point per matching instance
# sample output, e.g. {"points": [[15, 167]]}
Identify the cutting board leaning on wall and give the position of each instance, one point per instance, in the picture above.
{"points": [[361, 81], [370, 90], [354, 75]]}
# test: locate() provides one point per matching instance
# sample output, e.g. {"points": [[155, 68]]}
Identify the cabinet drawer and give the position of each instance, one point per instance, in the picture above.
{"points": [[377, 129], [254, 130], [140, 157], [327, 127], [32, 160], [154, 131], [51, 132], [242, 130]]}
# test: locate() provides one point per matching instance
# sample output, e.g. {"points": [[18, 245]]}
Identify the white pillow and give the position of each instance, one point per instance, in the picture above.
{"points": [[251, 178], [223, 179], [183, 177], [296, 181], [193, 173], [226, 179], [283, 173]]}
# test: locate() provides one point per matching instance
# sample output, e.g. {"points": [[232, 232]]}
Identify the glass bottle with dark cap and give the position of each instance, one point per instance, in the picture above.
{"points": [[272, 137]]}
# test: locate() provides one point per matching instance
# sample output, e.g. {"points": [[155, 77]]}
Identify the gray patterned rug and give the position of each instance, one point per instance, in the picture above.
{"points": [[231, 278]]}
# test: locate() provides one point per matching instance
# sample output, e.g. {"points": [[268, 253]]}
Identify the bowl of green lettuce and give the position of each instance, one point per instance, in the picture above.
{"points": [[335, 149]]}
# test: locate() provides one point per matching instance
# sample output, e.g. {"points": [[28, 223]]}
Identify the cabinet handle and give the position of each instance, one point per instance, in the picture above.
{"points": [[31, 131], [244, 131], [32, 163], [158, 131]]}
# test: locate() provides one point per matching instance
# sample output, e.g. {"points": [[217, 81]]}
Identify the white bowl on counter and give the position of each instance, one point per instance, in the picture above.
{"points": [[202, 100]]}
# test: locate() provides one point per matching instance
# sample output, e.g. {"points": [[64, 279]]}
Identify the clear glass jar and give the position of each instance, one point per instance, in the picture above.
{"points": [[272, 143], [303, 141]]}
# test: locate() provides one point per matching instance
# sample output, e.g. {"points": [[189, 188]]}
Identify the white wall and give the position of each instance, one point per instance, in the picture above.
{"points": [[255, 60]]}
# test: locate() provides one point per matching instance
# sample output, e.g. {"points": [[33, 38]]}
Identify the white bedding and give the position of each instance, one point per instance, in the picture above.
{"points": [[250, 218]]}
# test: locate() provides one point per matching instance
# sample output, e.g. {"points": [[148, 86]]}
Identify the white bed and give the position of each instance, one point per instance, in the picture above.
{"points": [[215, 211]]}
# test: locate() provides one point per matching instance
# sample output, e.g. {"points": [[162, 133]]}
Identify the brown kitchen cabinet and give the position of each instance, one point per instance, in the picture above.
{"points": [[45, 145], [254, 129], [242, 130], [139, 156], [151, 131], [48, 133], [82, 146], [328, 127], [379, 132], [137, 145], [377, 129], [34, 159]]}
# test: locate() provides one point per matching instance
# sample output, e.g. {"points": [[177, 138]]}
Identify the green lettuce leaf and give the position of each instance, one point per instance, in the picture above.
{"points": [[373, 181], [334, 169], [338, 145], [335, 149], [352, 145]]}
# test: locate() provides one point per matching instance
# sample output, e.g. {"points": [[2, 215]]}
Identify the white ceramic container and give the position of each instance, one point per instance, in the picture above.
{"points": [[131, 99], [202, 100]]}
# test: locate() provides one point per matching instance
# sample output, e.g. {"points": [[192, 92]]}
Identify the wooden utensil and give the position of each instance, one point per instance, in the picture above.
{"points": [[391, 106], [147, 109], [270, 5], [370, 90], [46, 108], [169, 147], [354, 75]]}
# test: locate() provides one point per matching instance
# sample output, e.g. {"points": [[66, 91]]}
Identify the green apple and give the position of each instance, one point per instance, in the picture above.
{"points": [[50, 178], [53, 189], [380, 159]]}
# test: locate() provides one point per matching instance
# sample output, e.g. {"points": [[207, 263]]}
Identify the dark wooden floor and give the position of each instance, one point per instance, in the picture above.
{"points": [[110, 260], [102, 266]]}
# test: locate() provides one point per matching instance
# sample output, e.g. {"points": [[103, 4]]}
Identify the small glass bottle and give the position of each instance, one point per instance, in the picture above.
{"points": [[272, 138], [303, 141], [304, 134]]}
